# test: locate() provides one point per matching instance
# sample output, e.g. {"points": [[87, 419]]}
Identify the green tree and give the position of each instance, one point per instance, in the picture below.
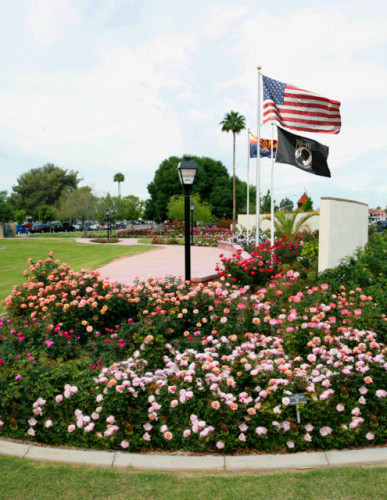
{"points": [[79, 204], [286, 205], [212, 183], [46, 185], [6, 210], [47, 213], [130, 207], [235, 123], [202, 212], [266, 202], [289, 224], [307, 206], [20, 216], [119, 178], [133, 207]]}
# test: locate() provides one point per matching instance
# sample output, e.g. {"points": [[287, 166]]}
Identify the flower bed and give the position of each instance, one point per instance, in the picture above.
{"points": [[173, 235], [161, 364], [105, 240]]}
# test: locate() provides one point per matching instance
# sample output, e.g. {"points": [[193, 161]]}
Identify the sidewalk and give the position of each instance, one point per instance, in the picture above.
{"points": [[162, 261]]}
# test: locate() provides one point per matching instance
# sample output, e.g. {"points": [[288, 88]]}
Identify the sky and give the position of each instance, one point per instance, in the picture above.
{"points": [[107, 86]]}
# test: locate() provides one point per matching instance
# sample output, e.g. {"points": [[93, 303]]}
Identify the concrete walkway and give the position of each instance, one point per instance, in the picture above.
{"points": [[180, 461], [162, 261]]}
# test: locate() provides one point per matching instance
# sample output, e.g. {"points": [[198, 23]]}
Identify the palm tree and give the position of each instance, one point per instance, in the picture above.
{"points": [[287, 224], [119, 178], [233, 122]]}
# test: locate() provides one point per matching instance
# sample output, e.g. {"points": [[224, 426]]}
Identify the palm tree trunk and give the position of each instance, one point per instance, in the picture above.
{"points": [[119, 189], [233, 186]]}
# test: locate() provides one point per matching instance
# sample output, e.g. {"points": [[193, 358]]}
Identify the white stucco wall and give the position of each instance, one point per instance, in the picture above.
{"points": [[313, 222], [343, 228]]}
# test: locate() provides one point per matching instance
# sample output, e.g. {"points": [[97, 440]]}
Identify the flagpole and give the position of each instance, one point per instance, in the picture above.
{"points": [[258, 165], [248, 186], [272, 186]]}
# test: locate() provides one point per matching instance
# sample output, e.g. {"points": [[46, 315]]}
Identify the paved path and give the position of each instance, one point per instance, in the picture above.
{"points": [[160, 262]]}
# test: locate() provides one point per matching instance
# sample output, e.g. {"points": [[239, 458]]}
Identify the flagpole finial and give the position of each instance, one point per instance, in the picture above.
{"points": [[259, 68]]}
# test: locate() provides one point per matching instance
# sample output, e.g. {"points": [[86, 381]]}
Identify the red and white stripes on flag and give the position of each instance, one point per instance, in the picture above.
{"points": [[299, 109]]}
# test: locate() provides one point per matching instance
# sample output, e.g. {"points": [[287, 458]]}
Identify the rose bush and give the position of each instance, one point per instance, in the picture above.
{"points": [[163, 365]]}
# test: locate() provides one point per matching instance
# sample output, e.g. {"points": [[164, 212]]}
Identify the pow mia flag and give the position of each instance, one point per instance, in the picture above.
{"points": [[303, 153]]}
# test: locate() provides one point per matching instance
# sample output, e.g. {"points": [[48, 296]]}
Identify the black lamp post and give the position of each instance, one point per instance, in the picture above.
{"points": [[187, 170], [192, 206], [108, 224]]}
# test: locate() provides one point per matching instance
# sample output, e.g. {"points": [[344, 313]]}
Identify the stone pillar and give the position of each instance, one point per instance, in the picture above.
{"points": [[343, 228]]}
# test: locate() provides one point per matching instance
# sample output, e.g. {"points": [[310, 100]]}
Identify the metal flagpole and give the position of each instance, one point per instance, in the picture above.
{"points": [[272, 186], [258, 186], [248, 186]]}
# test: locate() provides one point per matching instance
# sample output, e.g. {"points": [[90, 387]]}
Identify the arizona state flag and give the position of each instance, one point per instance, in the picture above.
{"points": [[264, 147], [303, 153]]}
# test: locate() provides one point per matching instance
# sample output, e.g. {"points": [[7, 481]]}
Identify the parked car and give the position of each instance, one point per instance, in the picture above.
{"points": [[173, 223], [78, 227], [40, 228], [22, 229], [381, 225], [96, 226], [56, 226], [68, 227]]}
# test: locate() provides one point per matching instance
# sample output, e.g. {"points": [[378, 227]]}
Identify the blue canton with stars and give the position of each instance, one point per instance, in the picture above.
{"points": [[273, 90]]}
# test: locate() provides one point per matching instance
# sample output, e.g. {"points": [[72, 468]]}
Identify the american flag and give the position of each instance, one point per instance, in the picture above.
{"points": [[299, 109]]}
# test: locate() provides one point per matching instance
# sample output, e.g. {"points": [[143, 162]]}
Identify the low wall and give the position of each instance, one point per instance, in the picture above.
{"points": [[343, 228], [313, 223]]}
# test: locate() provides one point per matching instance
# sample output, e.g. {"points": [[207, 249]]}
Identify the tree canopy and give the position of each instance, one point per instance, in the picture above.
{"points": [[307, 206], [201, 213], [47, 213], [266, 202], [43, 186], [287, 205], [212, 183], [79, 204], [6, 210], [128, 208]]}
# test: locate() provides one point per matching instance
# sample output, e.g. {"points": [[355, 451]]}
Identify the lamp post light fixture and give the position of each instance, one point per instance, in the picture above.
{"points": [[192, 207], [108, 224], [187, 170]]}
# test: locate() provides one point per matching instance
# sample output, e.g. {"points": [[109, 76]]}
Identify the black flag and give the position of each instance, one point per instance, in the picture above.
{"points": [[303, 153]]}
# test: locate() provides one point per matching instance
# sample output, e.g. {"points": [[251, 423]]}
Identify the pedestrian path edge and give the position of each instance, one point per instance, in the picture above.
{"points": [[176, 462]]}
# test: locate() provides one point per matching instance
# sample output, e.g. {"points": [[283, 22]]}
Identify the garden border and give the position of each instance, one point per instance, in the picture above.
{"points": [[222, 245], [219, 463]]}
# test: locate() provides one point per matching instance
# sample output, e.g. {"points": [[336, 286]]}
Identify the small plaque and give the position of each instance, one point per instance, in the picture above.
{"points": [[296, 399]]}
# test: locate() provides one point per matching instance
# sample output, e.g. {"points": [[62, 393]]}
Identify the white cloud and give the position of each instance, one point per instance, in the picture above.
{"points": [[48, 20]]}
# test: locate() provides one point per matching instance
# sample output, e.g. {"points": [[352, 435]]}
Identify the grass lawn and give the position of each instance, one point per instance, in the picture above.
{"points": [[24, 479], [145, 241], [74, 234], [14, 256]]}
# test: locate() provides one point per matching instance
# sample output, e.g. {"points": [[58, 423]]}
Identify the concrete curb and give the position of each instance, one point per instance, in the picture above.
{"points": [[174, 462]]}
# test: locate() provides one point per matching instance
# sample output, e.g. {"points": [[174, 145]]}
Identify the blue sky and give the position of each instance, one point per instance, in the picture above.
{"points": [[106, 86]]}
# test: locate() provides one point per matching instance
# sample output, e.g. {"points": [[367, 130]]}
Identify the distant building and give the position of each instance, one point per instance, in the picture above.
{"points": [[302, 200], [374, 215]]}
